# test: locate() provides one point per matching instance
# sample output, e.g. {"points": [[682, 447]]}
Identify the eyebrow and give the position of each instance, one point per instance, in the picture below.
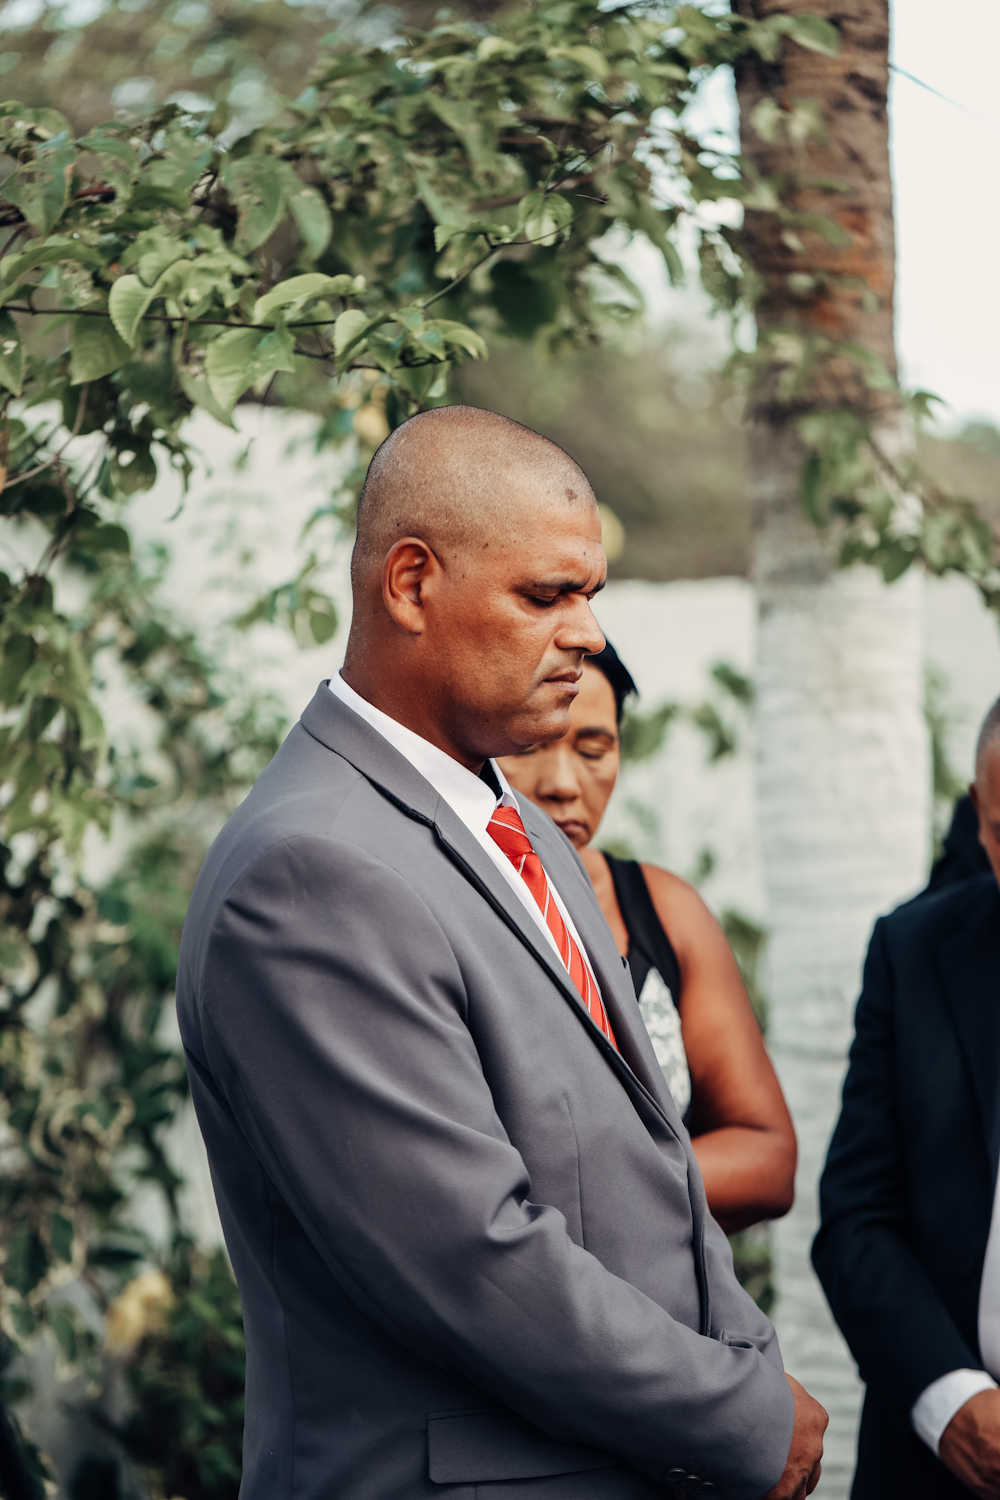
{"points": [[595, 729], [561, 586]]}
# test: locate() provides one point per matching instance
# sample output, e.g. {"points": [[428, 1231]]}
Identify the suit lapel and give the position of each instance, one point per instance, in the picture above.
{"points": [[335, 725], [466, 853], [971, 974], [330, 721]]}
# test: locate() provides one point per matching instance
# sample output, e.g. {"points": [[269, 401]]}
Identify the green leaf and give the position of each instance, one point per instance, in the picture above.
{"points": [[154, 252], [119, 162], [765, 119], [257, 184], [445, 233], [45, 122], [543, 215], [322, 619], [896, 559], [61, 1236], [457, 333], [13, 268], [64, 1332], [26, 1262], [587, 58], [312, 284], [242, 356], [312, 220], [11, 354], [97, 349], [200, 393], [836, 236], [39, 188], [349, 328], [126, 305], [810, 487], [92, 732], [148, 195], [814, 33], [17, 656], [130, 297]]}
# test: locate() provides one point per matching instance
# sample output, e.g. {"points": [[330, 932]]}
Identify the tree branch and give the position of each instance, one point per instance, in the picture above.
{"points": [[81, 407]]}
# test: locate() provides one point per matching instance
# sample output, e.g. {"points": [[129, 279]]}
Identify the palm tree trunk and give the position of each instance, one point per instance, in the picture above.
{"points": [[843, 778]]}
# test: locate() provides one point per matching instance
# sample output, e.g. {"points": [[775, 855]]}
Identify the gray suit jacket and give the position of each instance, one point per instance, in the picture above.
{"points": [[471, 1238]]}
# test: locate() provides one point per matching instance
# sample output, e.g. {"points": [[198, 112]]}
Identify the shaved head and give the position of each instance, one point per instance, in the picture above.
{"points": [[458, 477], [477, 557], [989, 739]]}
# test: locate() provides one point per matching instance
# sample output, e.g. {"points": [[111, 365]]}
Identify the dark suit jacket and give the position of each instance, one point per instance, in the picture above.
{"points": [[471, 1238], [907, 1193]]}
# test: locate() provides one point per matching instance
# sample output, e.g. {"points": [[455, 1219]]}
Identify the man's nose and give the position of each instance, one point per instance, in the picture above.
{"points": [[581, 632]]}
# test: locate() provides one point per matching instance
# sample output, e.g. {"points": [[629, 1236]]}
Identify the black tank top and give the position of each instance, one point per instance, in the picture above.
{"points": [[648, 944]]}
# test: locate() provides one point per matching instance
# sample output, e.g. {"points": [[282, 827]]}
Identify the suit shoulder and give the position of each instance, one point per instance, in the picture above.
{"points": [[933, 917], [300, 797]]}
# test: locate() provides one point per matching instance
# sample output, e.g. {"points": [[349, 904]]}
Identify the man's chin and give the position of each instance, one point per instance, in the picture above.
{"points": [[539, 729]]}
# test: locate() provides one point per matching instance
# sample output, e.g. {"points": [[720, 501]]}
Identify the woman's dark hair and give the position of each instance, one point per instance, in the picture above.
{"points": [[617, 673]]}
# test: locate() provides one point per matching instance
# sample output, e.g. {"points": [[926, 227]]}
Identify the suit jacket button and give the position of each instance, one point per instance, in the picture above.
{"points": [[675, 1476], [706, 1488]]}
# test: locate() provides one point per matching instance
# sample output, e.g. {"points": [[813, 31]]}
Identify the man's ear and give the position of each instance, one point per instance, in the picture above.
{"points": [[407, 568]]}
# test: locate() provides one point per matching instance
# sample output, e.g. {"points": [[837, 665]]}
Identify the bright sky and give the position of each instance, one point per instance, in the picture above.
{"points": [[947, 199]]}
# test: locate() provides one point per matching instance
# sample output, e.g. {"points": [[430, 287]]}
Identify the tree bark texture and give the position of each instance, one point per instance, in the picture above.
{"points": [[843, 765]]}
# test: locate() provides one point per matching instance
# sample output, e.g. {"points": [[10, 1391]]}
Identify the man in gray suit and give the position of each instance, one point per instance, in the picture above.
{"points": [[468, 1228]]}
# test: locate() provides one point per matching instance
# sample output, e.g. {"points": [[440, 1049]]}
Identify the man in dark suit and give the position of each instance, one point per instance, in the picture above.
{"points": [[909, 1245], [468, 1227]]}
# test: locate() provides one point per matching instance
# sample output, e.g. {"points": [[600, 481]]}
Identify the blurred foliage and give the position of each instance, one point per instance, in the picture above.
{"points": [[660, 441], [135, 57], [748, 941], [946, 784], [186, 1383], [753, 1263], [644, 735]]}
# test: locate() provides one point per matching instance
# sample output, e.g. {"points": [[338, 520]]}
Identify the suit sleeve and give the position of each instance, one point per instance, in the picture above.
{"points": [[896, 1325], [340, 1042]]}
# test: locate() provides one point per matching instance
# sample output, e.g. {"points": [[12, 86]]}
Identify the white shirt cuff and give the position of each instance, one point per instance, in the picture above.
{"points": [[935, 1407]]}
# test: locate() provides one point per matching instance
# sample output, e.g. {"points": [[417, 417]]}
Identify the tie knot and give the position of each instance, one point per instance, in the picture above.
{"points": [[506, 829]]}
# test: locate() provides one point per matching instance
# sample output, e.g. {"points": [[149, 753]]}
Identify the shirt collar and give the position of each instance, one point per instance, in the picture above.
{"points": [[468, 796]]}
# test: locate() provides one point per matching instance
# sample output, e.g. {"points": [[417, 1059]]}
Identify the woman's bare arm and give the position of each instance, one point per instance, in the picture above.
{"points": [[742, 1132]]}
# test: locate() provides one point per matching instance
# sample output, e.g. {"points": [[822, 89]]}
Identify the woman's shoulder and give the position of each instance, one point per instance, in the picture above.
{"points": [[666, 886], [683, 914]]}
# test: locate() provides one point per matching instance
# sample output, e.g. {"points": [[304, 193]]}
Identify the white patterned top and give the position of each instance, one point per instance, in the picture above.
{"points": [[663, 1023]]}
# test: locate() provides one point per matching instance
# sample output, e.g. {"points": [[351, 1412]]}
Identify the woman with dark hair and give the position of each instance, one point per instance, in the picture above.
{"points": [[689, 989]]}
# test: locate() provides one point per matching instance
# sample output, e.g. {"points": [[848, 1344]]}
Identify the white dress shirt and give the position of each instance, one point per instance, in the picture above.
{"points": [[469, 798], [935, 1407]]}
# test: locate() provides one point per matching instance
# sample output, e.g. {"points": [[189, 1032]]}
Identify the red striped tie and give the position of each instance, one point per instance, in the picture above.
{"points": [[507, 830]]}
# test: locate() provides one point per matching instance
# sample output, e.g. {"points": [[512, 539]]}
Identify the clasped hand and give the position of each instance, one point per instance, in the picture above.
{"points": [[970, 1445], [802, 1467]]}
